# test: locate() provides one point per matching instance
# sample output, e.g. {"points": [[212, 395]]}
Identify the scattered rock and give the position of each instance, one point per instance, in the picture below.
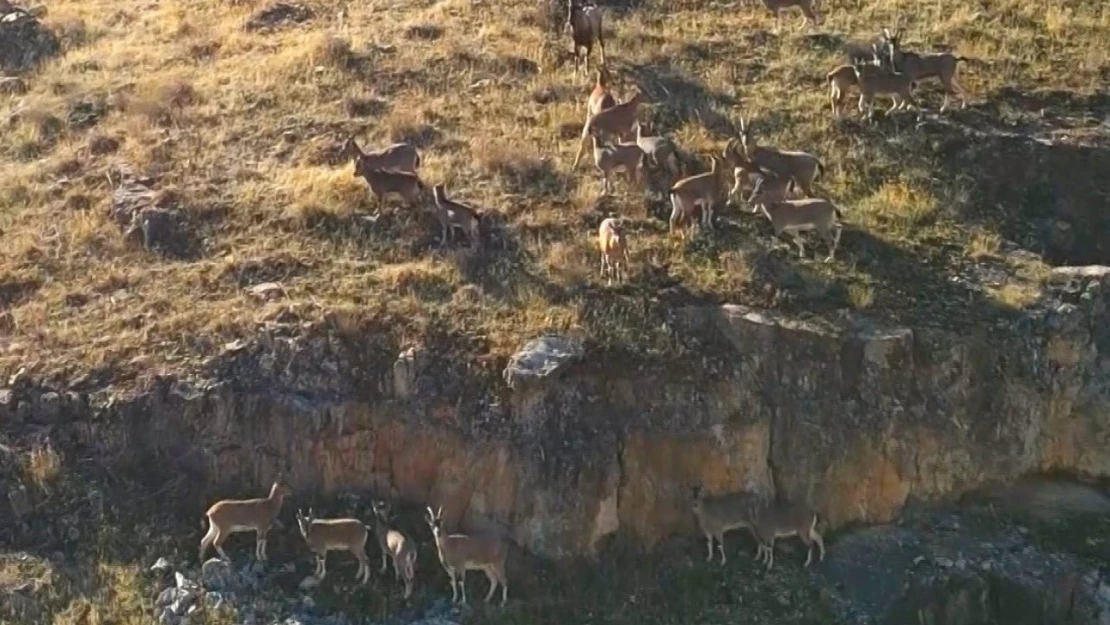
{"points": [[134, 208], [161, 566], [157, 229], [309, 582], [217, 574], [267, 291], [541, 358], [279, 14], [12, 85], [405, 371], [24, 42]]}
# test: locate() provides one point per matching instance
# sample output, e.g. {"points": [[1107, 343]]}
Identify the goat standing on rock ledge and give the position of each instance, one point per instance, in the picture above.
{"points": [[230, 516], [459, 553]]}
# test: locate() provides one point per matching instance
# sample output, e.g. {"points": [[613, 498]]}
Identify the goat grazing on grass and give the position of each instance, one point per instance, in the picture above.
{"points": [[698, 191], [324, 535], [613, 241], [393, 542], [808, 7], [939, 65], [454, 216], [399, 156], [459, 553], [585, 24], [230, 516], [803, 167], [796, 216], [616, 120], [840, 80]]}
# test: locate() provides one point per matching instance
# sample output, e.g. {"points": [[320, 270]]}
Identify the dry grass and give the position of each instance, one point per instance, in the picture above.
{"points": [[246, 127], [43, 466]]}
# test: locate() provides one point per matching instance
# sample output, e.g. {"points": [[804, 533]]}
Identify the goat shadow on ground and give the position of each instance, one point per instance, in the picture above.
{"points": [[677, 98]]}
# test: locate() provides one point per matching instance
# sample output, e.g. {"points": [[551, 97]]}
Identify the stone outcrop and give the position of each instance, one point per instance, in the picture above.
{"points": [[856, 419], [24, 42]]}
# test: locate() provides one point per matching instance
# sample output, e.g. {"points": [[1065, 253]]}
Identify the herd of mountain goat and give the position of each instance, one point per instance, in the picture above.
{"points": [[883, 69]]}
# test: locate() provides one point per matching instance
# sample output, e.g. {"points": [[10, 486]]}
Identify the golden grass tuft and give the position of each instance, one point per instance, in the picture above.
{"points": [[309, 192], [43, 466]]}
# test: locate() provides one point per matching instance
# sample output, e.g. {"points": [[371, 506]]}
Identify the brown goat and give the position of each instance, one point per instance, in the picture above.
{"points": [[939, 65], [808, 7]]}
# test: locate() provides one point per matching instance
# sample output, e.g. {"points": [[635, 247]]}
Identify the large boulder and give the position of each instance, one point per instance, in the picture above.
{"points": [[24, 41]]}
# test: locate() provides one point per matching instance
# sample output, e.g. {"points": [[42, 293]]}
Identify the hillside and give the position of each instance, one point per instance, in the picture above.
{"points": [[239, 129]]}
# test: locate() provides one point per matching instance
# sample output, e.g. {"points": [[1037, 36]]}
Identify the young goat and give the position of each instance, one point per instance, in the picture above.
{"points": [[459, 553], [600, 98], [717, 514], [324, 535], [808, 7], [796, 216], [873, 79], [840, 80], [784, 520], [584, 22], [615, 120], [742, 167], [231, 516], [399, 547], [700, 190], [399, 156], [613, 242], [803, 167], [613, 156], [660, 150], [941, 65], [385, 182], [455, 216]]}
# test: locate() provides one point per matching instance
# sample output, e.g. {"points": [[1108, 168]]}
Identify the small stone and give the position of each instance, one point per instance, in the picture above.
{"points": [[309, 582], [943, 562], [267, 291]]}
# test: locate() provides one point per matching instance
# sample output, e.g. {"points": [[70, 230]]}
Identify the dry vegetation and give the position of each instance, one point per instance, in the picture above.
{"points": [[242, 129]]}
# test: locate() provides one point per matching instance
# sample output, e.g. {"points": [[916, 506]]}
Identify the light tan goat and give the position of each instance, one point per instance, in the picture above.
{"points": [[701, 190], [778, 520], [400, 548], [717, 514], [455, 216], [459, 553], [803, 167], [399, 156], [600, 98], [742, 167], [615, 120], [613, 241], [585, 24], [840, 80], [660, 150], [808, 7], [385, 182], [939, 65], [873, 79], [231, 516], [796, 216], [610, 157], [324, 535]]}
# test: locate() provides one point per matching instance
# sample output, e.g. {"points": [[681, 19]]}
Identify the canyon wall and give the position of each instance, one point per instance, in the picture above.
{"points": [[855, 418]]}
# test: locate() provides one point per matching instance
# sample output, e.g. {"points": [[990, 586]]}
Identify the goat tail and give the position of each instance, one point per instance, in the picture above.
{"points": [[820, 168], [417, 161], [839, 215]]}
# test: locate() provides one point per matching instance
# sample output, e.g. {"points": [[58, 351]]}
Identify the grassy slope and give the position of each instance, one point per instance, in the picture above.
{"points": [[243, 129]]}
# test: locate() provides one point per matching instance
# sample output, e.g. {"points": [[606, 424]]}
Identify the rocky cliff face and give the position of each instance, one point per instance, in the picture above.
{"points": [[855, 419]]}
